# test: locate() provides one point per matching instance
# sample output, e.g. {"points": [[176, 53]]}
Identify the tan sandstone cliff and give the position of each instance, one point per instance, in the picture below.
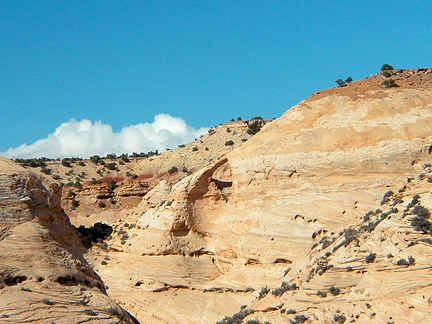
{"points": [[312, 220], [222, 234], [44, 277]]}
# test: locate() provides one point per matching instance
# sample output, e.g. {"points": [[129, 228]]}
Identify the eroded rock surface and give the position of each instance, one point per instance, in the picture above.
{"points": [[250, 219], [44, 277]]}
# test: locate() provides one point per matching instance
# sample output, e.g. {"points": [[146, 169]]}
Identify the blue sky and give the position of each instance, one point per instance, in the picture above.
{"points": [[123, 62]]}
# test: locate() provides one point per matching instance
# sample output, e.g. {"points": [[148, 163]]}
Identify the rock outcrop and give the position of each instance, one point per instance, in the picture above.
{"points": [[44, 277]]}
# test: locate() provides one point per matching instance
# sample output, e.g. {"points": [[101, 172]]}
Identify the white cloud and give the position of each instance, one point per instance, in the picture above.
{"points": [[84, 138]]}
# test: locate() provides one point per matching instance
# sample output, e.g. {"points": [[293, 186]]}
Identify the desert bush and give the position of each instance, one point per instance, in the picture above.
{"points": [[387, 67], [253, 128], [47, 301], [172, 170], [386, 74], [340, 82], [89, 312], [74, 203], [299, 319], [370, 258], [339, 319], [284, 288], [101, 204], [334, 291], [414, 201], [229, 143], [124, 157], [112, 184], [236, 318], [390, 83], [386, 197], [111, 166], [65, 162], [195, 148], [95, 159], [264, 291], [322, 294]]}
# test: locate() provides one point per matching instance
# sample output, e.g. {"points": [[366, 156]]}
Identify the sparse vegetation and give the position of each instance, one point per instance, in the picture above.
{"points": [[386, 197], [47, 301], [299, 319], [112, 184], [101, 204], [370, 258], [284, 288], [89, 312], [229, 143], [264, 291], [172, 170], [236, 318], [390, 83], [339, 319], [386, 67], [74, 203], [253, 128]]}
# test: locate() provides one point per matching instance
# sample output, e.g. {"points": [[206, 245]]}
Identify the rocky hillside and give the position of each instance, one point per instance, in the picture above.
{"points": [[88, 195], [321, 217], [212, 242], [44, 277]]}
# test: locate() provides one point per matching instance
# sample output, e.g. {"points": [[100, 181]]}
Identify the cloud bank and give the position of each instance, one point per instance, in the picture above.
{"points": [[84, 139]]}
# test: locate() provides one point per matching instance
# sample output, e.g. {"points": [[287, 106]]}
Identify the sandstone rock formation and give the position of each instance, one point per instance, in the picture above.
{"points": [[322, 217], [44, 277], [241, 223]]}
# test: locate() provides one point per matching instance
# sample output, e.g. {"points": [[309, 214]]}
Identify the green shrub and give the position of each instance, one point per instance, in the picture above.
{"points": [[340, 319], [95, 159], [264, 291], [334, 291], [253, 128], [299, 319], [284, 288], [386, 67], [389, 83], [340, 82], [194, 149], [65, 162], [322, 294], [112, 184], [101, 204], [111, 166], [386, 74], [172, 170], [74, 203], [229, 143], [89, 312], [370, 258], [236, 318]]}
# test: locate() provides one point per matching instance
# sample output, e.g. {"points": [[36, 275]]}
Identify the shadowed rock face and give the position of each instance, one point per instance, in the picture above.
{"points": [[218, 237], [44, 277]]}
